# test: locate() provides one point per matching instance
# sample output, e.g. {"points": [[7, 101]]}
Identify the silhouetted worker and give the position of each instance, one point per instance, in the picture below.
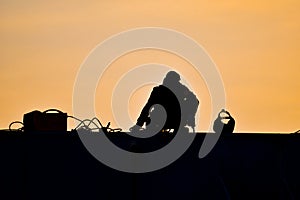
{"points": [[177, 100], [224, 123]]}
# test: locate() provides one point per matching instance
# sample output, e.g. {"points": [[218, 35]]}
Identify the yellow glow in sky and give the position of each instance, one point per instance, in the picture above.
{"points": [[255, 44]]}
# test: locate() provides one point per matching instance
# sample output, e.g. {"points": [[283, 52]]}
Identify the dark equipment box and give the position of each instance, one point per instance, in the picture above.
{"points": [[49, 120]]}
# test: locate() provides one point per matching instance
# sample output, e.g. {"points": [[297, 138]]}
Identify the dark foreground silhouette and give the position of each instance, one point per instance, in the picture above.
{"points": [[44, 161], [56, 165]]}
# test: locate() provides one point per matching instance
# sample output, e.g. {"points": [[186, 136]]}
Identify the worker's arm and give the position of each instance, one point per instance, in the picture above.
{"points": [[144, 116]]}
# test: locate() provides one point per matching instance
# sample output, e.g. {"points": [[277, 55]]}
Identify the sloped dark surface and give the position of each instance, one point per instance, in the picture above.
{"points": [[241, 166]]}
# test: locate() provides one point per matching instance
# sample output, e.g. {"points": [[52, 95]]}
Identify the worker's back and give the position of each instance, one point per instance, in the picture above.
{"points": [[167, 99]]}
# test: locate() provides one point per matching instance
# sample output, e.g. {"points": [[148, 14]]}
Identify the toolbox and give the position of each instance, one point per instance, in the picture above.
{"points": [[49, 120]]}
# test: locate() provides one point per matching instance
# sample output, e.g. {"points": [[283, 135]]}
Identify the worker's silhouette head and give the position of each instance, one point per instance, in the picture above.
{"points": [[172, 77]]}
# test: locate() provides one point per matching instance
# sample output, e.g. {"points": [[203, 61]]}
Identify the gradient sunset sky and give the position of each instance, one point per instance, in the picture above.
{"points": [[255, 44]]}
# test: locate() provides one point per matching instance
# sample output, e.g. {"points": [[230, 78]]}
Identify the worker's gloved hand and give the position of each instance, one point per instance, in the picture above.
{"points": [[135, 128]]}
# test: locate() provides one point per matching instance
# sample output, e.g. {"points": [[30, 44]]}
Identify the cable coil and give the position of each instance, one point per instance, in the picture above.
{"points": [[85, 124]]}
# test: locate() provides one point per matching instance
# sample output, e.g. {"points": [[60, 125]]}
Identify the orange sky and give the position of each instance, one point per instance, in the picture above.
{"points": [[255, 44]]}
